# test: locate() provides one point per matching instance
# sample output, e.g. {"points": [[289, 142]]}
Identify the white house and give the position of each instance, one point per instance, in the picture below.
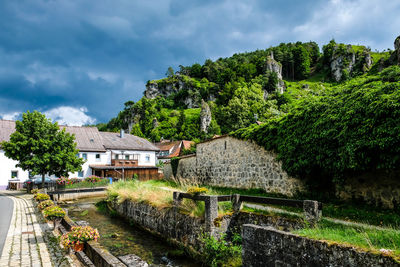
{"points": [[106, 154]]}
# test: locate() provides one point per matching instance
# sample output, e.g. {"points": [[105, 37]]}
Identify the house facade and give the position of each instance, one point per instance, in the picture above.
{"points": [[105, 154]]}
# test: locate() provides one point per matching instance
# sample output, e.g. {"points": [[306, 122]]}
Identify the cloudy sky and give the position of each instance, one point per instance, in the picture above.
{"points": [[80, 60]]}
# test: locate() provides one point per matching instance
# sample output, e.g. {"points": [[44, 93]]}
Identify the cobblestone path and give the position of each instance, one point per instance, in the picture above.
{"points": [[24, 245]]}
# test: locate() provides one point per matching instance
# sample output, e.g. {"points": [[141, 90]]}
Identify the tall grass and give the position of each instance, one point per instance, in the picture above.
{"points": [[160, 194], [367, 238]]}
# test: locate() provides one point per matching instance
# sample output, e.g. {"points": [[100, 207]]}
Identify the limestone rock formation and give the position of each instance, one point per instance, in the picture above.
{"points": [[189, 95], [205, 117], [397, 49], [345, 62], [273, 66]]}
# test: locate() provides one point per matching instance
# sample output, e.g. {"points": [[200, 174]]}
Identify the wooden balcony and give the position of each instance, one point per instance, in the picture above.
{"points": [[124, 162]]}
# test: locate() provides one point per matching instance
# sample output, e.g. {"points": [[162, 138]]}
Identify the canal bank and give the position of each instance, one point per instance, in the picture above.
{"points": [[121, 238]]}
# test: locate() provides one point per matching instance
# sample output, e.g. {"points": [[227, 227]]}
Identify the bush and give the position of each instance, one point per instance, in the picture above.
{"points": [[53, 212], [41, 197], [78, 235], [44, 204], [221, 252]]}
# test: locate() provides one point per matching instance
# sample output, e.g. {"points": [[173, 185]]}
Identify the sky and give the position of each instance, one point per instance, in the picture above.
{"points": [[79, 61]]}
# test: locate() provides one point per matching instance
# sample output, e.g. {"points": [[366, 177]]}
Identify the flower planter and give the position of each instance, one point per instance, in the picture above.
{"points": [[78, 247]]}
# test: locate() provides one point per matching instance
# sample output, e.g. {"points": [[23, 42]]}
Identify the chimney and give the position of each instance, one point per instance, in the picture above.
{"points": [[122, 133]]}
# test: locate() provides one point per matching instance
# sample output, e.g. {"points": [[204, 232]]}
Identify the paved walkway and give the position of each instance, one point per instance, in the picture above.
{"points": [[24, 245]]}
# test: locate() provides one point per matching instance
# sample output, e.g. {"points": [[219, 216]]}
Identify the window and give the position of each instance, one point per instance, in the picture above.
{"points": [[84, 156], [97, 157], [80, 174], [14, 174], [126, 157], [116, 156], [147, 158]]}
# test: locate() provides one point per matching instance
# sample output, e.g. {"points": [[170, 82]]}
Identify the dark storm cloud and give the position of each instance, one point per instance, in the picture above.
{"points": [[96, 55]]}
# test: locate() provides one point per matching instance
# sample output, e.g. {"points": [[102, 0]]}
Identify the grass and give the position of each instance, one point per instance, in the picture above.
{"points": [[372, 240], [159, 193]]}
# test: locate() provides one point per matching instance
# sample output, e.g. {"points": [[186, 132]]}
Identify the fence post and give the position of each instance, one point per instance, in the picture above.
{"points": [[236, 203], [312, 213], [211, 212], [177, 198]]}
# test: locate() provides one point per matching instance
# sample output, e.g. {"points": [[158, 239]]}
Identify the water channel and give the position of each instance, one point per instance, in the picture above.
{"points": [[121, 238]]}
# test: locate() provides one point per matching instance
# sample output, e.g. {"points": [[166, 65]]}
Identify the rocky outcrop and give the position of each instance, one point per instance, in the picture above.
{"points": [[345, 61], [186, 90], [205, 117], [271, 65]]}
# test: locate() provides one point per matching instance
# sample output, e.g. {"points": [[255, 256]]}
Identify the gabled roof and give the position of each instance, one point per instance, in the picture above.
{"points": [[87, 138], [6, 129], [167, 145], [128, 142]]}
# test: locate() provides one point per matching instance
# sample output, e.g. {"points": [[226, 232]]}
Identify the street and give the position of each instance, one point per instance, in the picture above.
{"points": [[6, 211]]}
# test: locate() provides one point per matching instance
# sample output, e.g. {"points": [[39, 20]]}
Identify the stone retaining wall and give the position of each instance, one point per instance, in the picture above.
{"points": [[266, 246], [230, 162], [169, 223]]}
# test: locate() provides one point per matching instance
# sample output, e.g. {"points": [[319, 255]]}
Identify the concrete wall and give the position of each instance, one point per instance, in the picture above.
{"points": [[230, 162], [266, 246]]}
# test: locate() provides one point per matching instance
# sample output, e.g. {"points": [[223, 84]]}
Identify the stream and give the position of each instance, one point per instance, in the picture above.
{"points": [[121, 238]]}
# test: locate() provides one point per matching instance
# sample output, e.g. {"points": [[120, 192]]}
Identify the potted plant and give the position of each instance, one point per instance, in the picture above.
{"points": [[45, 204], [54, 213], [78, 236]]}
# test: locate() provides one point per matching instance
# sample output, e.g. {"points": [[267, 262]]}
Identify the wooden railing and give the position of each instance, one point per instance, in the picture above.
{"points": [[312, 209]]}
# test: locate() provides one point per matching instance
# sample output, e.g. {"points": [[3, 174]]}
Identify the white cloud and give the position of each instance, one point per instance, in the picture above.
{"points": [[11, 116], [70, 116]]}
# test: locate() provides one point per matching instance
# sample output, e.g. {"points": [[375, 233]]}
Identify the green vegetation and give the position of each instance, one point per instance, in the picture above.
{"points": [[370, 239], [88, 184], [222, 252], [348, 129]]}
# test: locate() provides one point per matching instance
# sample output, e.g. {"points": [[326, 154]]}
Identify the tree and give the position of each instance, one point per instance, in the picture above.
{"points": [[170, 72], [41, 147]]}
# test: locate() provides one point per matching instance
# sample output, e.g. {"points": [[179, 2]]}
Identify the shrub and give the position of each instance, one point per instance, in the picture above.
{"points": [[44, 204], [41, 197], [53, 212], [78, 235], [221, 252], [35, 191], [195, 190]]}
